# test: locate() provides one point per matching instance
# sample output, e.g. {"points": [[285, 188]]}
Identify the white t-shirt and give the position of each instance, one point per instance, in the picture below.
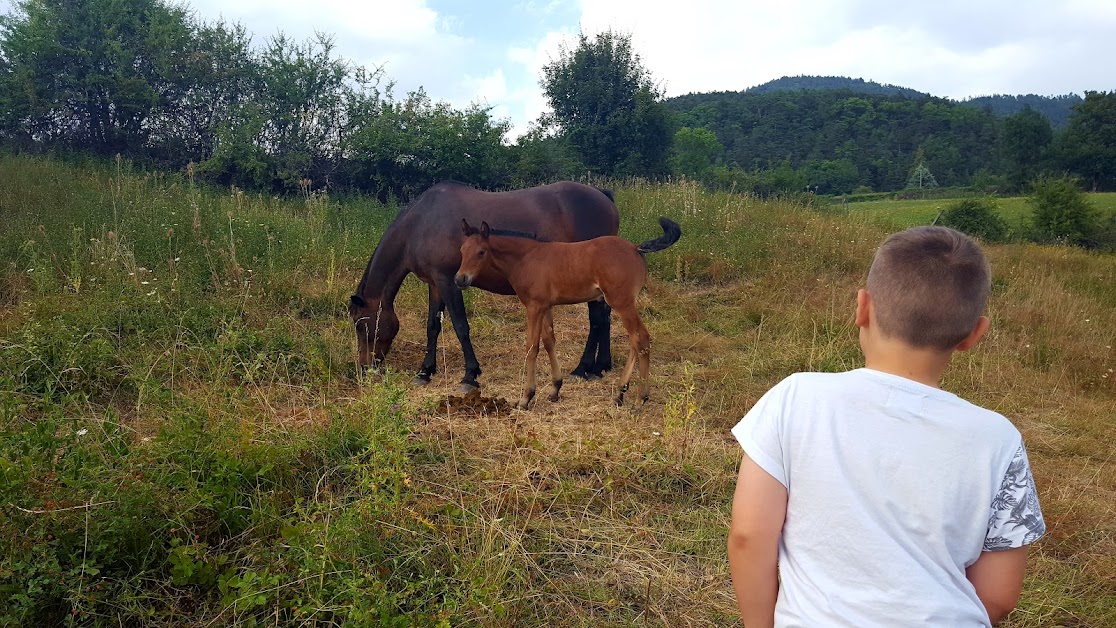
{"points": [[894, 488]]}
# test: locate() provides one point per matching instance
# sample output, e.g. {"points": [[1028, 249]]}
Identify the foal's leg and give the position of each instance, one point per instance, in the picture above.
{"points": [[433, 329], [535, 317], [639, 342], [548, 344]]}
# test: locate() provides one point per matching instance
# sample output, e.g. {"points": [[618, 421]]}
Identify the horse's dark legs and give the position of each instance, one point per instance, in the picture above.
{"points": [[454, 302], [597, 357], [602, 313], [433, 329]]}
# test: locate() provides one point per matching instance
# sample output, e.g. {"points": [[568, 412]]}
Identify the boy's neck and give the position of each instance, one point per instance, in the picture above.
{"points": [[887, 355]]}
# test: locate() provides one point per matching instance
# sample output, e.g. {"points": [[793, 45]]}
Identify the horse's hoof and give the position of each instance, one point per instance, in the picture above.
{"points": [[620, 401], [553, 397], [467, 388], [419, 380], [592, 377], [522, 404]]}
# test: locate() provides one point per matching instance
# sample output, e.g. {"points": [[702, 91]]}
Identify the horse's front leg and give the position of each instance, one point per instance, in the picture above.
{"points": [[535, 316], [455, 303], [433, 329]]}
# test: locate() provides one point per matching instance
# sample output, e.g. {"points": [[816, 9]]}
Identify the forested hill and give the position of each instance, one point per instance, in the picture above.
{"points": [[1057, 109], [857, 139], [858, 85]]}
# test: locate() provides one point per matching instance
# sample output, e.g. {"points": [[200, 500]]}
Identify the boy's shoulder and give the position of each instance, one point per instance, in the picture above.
{"points": [[864, 385]]}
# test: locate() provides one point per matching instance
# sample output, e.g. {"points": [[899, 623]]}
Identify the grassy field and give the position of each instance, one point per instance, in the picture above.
{"points": [[1015, 210], [186, 442]]}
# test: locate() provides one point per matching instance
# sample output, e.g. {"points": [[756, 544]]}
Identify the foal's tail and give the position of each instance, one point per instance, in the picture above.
{"points": [[671, 233]]}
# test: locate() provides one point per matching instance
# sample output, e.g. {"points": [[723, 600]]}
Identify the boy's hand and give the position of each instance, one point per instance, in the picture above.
{"points": [[759, 508]]}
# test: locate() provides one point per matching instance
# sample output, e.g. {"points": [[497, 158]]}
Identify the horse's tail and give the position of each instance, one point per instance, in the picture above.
{"points": [[671, 233]]}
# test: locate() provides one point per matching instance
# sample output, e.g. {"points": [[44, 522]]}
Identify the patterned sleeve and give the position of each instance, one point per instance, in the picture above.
{"points": [[1015, 519], [759, 432]]}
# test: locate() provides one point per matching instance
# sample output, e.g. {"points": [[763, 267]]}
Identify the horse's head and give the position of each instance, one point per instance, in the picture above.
{"points": [[475, 254], [376, 326]]}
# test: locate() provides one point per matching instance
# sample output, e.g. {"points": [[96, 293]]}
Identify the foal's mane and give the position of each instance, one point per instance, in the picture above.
{"points": [[517, 234]]}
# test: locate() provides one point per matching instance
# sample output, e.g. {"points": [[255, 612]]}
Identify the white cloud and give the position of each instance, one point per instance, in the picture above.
{"points": [[953, 48], [528, 100], [416, 46]]}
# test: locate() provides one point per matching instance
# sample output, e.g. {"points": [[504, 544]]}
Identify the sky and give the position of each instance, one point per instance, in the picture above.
{"points": [[492, 51]]}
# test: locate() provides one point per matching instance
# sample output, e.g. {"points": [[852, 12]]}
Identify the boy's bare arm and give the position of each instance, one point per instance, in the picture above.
{"points": [[998, 579], [759, 508]]}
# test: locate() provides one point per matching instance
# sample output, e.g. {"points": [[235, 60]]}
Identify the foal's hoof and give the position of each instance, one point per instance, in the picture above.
{"points": [[619, 400], [466, 388], [522, 404], [419, 380]]}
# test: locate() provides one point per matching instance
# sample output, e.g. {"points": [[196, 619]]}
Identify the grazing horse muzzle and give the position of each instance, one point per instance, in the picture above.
{"points": [[463, 281]]}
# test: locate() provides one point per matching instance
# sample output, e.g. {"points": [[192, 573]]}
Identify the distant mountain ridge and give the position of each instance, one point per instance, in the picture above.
{"points": [[1056, 108], [858, 85]]}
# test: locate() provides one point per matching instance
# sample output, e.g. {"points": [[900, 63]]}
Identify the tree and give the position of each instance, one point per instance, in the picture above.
{"points": [[976, 217], [544, 158], [1088, 145], [90, 74], [1023, 143], [831, 176], [213, 77], [606, 104], [920, 176], [411, 144], [1062, 213], [694, 153]]}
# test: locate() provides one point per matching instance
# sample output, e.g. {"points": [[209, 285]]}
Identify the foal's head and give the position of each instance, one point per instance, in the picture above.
{"points": [[376, 326], [475, 253]]}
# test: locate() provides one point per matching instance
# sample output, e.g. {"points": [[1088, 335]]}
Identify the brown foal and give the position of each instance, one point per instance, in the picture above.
{"points": [[544, 274]]}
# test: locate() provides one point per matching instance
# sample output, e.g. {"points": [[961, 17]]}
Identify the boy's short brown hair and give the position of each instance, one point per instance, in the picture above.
{"points": [[929, 286]]}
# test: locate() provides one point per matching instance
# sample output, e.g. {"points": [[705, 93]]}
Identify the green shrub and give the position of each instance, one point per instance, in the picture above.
{"points": [[1062, 212], [978, 217]]}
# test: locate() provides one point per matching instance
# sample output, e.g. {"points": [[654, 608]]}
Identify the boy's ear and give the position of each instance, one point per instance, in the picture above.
{"points": [[863, 307], [975, 336]]}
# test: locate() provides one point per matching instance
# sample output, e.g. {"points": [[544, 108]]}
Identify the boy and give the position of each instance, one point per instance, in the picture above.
{"points": [[883, 500]]}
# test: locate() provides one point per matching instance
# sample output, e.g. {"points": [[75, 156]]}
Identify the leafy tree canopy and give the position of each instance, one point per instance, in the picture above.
{"points": [[607, 105]]}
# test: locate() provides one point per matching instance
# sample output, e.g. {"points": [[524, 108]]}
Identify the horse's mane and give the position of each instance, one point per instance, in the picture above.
{"points": [[403, 211]]}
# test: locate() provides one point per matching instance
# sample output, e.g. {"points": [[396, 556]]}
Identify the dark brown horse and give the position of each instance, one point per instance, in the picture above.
{"points": [[545, 274], [425, 239]]}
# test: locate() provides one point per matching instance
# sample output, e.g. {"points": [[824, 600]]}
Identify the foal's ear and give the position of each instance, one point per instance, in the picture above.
{"points": [[484, 230], [466, 228], [356, 300]]}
